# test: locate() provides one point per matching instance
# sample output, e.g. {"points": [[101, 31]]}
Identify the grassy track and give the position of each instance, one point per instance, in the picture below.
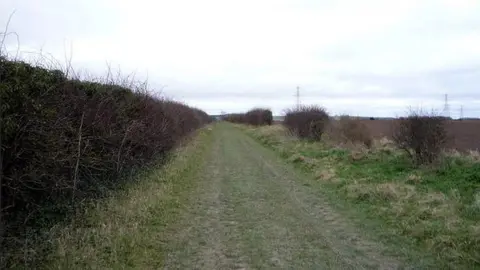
{"points": [[252, 213], [225, 202]]}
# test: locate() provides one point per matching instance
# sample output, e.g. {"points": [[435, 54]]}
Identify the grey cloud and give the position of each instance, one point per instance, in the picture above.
{"points": [[461, 82], [413, 62]]}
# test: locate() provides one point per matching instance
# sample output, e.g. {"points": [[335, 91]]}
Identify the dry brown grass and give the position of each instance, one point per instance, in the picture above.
{"points": [[471, 155], [327, 175], [421, 212], [384, 143], [296, 158], [306, 161], [350, 130], [389, 191], [357, 155], [427, 205], [273, 130], [413, 179]]}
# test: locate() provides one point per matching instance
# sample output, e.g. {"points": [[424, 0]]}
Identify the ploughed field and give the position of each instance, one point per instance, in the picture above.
{"points": [[465, 133]]}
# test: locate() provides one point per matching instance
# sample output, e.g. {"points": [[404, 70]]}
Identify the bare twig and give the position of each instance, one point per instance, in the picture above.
{"points": [[5, 33], [109, 72], [2, 225], [79, 150], [68, 61], [120, 148], [18, 44]]}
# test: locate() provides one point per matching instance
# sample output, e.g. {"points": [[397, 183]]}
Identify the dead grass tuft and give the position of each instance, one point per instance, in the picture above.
{"points": [[473, 155], [384, 145], [310, 162], [357, 155], [327, 175], [273, 130], [433, 198], [414, 179], [385, 191], [296, 158], [395, 191], [359, 191], [475, 230], [470, 155], [384, 142], [436, 205]]}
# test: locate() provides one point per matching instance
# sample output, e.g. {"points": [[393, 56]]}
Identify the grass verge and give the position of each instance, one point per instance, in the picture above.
{"points": [[130, 228], [429, 214]]}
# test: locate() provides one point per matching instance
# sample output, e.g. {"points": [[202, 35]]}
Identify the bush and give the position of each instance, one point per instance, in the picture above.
{"points": [[351, 129], [259, 117], [307, 122], [421, 135], [256, 117], [235, 118], [64, 141]]}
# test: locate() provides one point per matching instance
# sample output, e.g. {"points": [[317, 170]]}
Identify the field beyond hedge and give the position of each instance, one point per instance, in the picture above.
{"points": [[465, 133]]}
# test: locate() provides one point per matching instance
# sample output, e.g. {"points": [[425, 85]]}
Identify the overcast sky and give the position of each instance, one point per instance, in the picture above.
{"points": [[358, 57]]}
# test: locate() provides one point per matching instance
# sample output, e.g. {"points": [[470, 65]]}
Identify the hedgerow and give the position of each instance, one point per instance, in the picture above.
{"points": [[64, 141]]}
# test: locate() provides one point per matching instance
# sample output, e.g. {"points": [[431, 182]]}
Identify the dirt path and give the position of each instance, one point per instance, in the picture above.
{"points": [[251, 212]]}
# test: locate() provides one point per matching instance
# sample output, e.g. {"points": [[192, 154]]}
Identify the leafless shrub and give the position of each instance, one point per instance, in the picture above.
{"points": [[307, 122], [259, 117], [256, 117], [421, 135], [238, 118]]}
